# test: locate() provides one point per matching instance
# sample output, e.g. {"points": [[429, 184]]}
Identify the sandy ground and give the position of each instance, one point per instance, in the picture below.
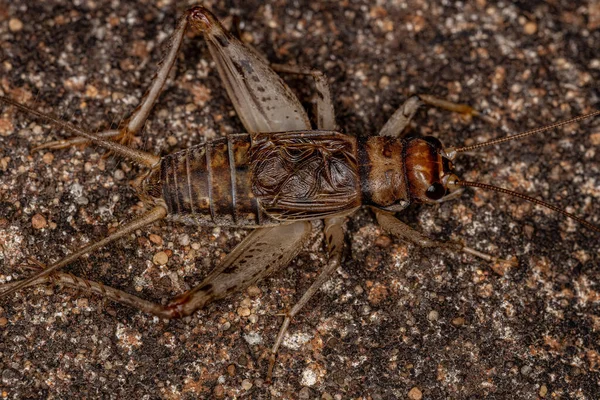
{"points": [[396, 321]]}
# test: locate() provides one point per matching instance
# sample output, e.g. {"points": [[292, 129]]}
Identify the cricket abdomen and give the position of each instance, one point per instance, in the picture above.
{"points": [[210, 184]]}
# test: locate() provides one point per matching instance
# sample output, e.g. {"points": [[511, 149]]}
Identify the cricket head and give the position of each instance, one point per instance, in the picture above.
{"points": [[429, 171]]}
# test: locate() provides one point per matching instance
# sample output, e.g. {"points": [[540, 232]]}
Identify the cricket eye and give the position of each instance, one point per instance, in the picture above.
{"points": [[435, 191]]}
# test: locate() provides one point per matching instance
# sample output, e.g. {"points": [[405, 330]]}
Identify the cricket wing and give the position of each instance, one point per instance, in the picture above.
{"points": [[305, 175], [261, 98], [261, 253]]}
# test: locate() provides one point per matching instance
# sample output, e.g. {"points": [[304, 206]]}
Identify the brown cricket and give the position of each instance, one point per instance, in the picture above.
{"points": [[275, 178]]}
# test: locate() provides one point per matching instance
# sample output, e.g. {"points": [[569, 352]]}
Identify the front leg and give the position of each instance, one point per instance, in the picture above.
{"points": [[398, 122], [134, 124], [394, 226]]}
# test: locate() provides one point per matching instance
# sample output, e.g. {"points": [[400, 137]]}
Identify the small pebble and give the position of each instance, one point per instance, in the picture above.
{"points": [[225, 326], [38, 221], [3, 322], [415, 394], [82, 201], [243, 311], [246, 303], [525, 370], [543, 391], [383, 241], [160, 258], [184, 240], [4, 163], [15, 25], [304, 393], [384, 82], [460, 321], [172, 140], [433, 315], [253, 291], [119, 175], [6, 127], [246, 384], [530, 28], [48, 158], [231, 369], [219, 391], [157, 240]]}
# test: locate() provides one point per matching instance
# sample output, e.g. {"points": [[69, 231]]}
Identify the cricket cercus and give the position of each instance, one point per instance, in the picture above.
{"points": [[275, 178]]}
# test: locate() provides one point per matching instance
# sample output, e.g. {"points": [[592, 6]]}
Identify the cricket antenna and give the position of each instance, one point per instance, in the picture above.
{"points": [[526, 198], [137, 156], [451, 151]]}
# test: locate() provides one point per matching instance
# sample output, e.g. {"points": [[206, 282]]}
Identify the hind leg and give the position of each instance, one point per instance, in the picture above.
{"points": [[261, 253]]}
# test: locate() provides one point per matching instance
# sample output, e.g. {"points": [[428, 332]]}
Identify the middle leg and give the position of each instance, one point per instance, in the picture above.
{"points": [[398, 228], [334, 237]]}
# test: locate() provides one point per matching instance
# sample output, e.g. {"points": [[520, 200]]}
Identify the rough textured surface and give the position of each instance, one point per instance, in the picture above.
{"points": [[397, 321]]}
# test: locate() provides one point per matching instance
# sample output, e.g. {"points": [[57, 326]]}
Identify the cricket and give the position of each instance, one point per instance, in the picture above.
{"points": [[275, 178]]}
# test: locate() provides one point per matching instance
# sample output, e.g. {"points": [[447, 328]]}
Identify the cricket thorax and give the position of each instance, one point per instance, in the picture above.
{"points": [[395, 172]]}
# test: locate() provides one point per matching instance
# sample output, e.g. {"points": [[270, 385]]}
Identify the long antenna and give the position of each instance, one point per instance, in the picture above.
{"points": [[140, 157], [529, 199], [522, 135]]}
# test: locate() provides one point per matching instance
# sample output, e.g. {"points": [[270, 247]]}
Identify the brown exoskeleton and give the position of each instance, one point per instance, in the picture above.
{"points": [[274, 178]]}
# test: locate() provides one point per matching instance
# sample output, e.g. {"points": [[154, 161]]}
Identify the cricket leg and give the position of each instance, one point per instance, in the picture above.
{"points": [[150, 217], [75, 141], [464, 109], [394, 226], [137, 156], [134, 124], [116, 295], [325, 110], [398, 122], [262, 100], [262, 252], [396, 125], [334, 237]]}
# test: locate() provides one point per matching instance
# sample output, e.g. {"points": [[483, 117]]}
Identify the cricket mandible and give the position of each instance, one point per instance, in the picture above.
{"points": [[275, 178]]}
